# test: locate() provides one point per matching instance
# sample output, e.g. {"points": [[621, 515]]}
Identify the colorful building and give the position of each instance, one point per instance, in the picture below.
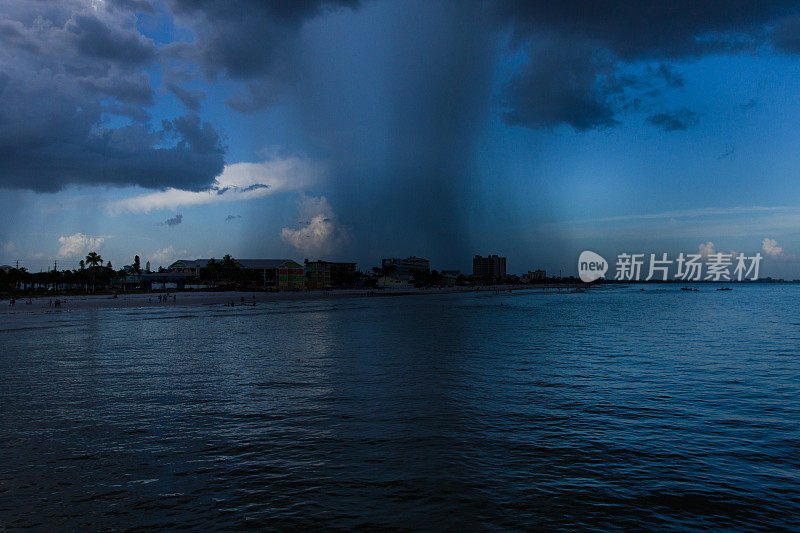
{"points": [[280, 273], [188, 266], [291, 275]]}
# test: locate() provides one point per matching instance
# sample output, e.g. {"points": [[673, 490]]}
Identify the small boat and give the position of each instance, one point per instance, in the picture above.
{"points": [[690, 289], [724, 289]]}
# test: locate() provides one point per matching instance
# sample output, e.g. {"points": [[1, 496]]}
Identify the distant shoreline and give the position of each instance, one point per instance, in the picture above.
{"points": [[193, 298], [141, 300]]}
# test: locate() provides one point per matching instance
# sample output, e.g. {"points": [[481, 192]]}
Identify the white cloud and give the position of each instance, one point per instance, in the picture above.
{"points": [[709, 248], [77, 245], [165, 256], [238, 181], [771, 247], [706, 249], [318, 232]]}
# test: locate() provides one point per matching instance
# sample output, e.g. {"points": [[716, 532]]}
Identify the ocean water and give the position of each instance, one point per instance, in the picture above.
{"points": [[613, 409]]}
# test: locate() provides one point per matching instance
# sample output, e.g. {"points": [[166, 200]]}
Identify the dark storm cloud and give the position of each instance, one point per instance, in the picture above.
{"points": [[129, 155], [189, 97], [588, 63], [199, 137], [672, 78], [252, 41], [677, 120], [64, 68], [12, 35], [564, 82], [560, 85], [246, 39], [176, 78], [140, 6], [650, 29], [575, 46], [256, 96], [786, 36], [132, 89], [750, 104], [96, 38], [134, 112], [173, 221], [399, 121], [396, 102]]}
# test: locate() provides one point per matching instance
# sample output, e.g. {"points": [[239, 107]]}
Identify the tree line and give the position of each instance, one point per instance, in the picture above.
{"points": [[90, 273]]}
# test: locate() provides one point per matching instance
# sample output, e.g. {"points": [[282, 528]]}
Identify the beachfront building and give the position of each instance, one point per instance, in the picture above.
{"points": [[165, 280], [492, 267], [405, 268], [327, 274], [318, 274], [188, 266], [388, 282], [450, 277], [128, 281], [278, 273], [534, 275], [290, 273]]}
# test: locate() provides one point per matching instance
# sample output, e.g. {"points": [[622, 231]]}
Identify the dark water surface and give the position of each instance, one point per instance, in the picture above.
{"points": [[616, 408]]}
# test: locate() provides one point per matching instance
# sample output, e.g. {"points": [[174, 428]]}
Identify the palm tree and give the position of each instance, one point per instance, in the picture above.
{"points": [[93, 259]]}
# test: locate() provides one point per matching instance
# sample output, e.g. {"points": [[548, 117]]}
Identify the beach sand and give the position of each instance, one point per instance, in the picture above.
{"points": [[194, 298], [145, 300]]}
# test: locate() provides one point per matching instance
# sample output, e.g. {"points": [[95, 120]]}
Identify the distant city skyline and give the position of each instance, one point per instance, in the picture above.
{"points": [[352, 131]]}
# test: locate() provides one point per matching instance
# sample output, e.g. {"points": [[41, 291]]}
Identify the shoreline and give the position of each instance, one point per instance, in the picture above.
{"points": [[195, 298]]}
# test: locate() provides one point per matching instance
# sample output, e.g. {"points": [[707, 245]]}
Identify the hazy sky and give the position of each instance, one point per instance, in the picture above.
{"points": [[355, 130]]}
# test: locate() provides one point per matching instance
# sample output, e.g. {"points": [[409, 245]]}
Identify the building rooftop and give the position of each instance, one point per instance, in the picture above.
{"points": [[254, 264], [165, 275]]}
